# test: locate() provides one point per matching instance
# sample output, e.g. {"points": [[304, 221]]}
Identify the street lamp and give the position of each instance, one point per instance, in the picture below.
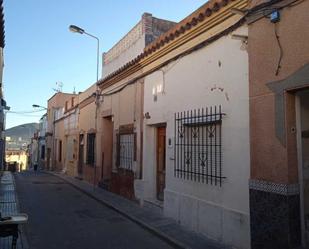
{"points": [[39, 106], [76, 29]]}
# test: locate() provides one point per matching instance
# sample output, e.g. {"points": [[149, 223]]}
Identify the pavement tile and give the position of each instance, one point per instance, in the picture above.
{"points": [[8, 206]]}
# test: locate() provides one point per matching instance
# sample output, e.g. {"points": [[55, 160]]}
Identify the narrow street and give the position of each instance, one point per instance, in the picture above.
{"points": [[62, 217]]}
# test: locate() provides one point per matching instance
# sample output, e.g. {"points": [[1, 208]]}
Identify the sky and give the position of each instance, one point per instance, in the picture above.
{"points": [[40, 51]]}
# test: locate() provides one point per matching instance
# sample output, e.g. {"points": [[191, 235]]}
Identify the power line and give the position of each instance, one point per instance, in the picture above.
{"points": [[25, 112]]}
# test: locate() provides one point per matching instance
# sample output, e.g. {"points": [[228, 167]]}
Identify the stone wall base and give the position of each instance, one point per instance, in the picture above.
{"points": [[274, 215]]}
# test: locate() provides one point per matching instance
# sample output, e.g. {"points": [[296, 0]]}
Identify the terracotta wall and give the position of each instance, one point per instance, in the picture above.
{"points": [[272, 159], [56, 101], [86, 123], [275, 215]]}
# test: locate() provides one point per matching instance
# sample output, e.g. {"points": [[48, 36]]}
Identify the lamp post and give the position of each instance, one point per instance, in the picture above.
{"points": [[39, 106], [76, 29]]}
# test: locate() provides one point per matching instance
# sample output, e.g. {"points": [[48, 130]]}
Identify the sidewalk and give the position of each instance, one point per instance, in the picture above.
{"points": [[166, 228], [9, 206]]}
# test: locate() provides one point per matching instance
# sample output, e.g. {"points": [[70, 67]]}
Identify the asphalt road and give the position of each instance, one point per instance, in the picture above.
{"points": [[61, 217]]}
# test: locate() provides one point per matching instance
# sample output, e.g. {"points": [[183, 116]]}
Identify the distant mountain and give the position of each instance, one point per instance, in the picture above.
{"points": [[20, 135], [24, 130]]}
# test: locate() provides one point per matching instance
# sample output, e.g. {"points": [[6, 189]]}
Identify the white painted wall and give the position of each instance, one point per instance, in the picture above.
{"points": [[124, 57], [221, 213]]}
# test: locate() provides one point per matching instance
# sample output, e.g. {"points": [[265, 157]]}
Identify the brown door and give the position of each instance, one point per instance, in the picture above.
{"points": [[81, 155], [161, 151], [107, 149]]}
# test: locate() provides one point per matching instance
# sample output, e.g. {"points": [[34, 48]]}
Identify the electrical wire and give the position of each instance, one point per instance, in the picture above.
{"points": [[280, 49], [296, 3], [25, 112], [268, 7]]}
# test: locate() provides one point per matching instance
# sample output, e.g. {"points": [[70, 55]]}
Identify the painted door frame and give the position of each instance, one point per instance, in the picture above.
{"points": [[300, 167], [80, 163], [157, 163], [107, 147]]}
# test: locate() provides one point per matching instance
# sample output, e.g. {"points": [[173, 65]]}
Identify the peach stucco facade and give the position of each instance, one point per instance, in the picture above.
{"points": [[55, 104], [123, 132], [86, 125], [278, 62]]}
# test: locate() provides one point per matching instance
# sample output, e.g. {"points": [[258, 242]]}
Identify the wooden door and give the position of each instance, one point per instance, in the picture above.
{"points": [[161, 152], [107, 149], [81, 155]]}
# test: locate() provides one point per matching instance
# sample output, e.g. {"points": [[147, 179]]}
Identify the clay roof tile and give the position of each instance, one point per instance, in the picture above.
{"points": [[224, 2], [201, 17], [194, 21], [216, 7], [186, 24], [208, 12]]}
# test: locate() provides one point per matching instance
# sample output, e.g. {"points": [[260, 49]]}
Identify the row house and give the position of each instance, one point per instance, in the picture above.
{"points": [[279, 123], [179, 112], [207, 118], [110, 119], [17, 157], [71, 135], [121, 112], [33, 150], [55, 130], [87, 166], [42, 142], [58, 137]]}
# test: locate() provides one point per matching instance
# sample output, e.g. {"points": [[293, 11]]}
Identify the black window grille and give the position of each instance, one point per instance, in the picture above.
{"points": [[198, 148], [90, 148], [126, 151]]}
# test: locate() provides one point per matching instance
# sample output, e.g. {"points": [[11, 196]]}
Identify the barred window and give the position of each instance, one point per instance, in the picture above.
{"points": [[90, 148], [126, 151], [126, 147], [198, 149]]}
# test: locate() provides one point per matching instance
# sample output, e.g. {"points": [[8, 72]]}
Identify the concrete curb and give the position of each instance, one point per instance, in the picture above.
{"points": [[171, 241]]}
